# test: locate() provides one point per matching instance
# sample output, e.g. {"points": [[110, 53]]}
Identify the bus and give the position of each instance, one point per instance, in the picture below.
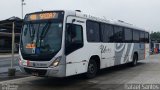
{"points": [[63, 43]]}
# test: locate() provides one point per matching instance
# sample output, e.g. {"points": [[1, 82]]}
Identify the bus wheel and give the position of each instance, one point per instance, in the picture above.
{"points": [[135, 60], [92, 69]]}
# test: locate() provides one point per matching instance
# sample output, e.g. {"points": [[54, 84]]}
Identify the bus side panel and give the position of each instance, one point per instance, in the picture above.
{"points": [[123, 52], [76, 68], [147, 51], [80, 58], [120, 52], [76, 62], [138, 48], [108, 53], [141, 51]]}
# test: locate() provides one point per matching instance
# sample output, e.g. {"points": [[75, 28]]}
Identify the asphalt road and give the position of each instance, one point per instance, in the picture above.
{"points": [[147, 72], [5, 63]]}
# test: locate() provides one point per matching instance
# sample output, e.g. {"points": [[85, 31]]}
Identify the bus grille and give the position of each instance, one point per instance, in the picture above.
{"points": [[41, 72]]}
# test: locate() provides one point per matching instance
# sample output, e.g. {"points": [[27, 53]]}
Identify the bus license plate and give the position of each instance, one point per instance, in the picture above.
{"points": [[35, 74]]}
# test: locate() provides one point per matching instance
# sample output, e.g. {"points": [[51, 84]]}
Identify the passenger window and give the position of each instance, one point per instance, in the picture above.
{"points": [[93, 31], [107, 33], [146, 37], [128, 35], [136, 36], [118, 34], [142, 36], [73, 38]]}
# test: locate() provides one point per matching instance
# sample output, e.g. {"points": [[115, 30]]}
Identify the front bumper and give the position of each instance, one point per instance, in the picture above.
{"points": [[58, 71]]}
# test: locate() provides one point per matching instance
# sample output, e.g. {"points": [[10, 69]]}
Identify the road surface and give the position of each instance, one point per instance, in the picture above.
{"points": [[5, 63], [147, 72]]}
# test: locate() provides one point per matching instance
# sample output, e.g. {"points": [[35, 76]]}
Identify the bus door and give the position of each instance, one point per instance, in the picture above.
{"points": [[75, 62]]}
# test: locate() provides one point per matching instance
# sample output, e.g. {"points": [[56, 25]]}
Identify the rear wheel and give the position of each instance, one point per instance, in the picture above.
{"points": [[92, 69], [135, 60]]}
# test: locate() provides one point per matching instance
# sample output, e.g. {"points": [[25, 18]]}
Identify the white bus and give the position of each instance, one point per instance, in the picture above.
{"points": [[64, 43]]}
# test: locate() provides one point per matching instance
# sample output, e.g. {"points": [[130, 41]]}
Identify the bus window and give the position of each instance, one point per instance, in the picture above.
{"points": [[74, 38], [142, 36], [136, 36], [93, 34], [128, 35], [107, 33], [118, 34], [146, 37]]}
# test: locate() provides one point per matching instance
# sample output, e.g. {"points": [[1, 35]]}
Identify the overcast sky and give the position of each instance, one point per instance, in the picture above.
{"points": [[142, 13]]}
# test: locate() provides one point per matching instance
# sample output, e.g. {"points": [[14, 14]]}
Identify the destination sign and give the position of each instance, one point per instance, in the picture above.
{"points": [[43, 16]]}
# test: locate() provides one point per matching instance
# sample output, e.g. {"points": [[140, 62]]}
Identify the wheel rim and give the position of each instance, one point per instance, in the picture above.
{"points": [[91, 68]]}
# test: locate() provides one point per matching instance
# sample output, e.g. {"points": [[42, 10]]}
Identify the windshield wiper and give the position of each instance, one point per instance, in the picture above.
{"points": [[45, 30], [42, 35], [33, 31]]}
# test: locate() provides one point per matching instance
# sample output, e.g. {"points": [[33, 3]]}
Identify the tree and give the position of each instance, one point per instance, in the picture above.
{"points": [[155, 36]]}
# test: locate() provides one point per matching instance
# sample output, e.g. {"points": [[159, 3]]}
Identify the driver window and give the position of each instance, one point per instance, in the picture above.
{"points": [[74, 38]]}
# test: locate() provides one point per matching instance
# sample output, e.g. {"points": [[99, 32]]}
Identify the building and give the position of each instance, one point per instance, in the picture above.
{"points": [[6, 33]]}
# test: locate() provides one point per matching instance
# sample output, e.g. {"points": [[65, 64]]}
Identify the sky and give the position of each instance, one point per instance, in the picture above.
{"points": [[142, 13]]}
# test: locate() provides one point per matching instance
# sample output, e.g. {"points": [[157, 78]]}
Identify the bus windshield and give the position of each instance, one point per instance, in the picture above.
{"points": [[41, 38]]}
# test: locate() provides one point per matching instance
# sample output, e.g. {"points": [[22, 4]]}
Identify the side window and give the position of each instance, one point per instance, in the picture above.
{"points": [[146, 37], [118, 34], [93, 32], [142, 36], [107, 33], [128, 35], [73, 38], [136, 36]]}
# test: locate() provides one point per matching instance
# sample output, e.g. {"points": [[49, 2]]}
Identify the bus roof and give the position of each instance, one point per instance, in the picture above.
{"points": [[113, 22], [103, 20]]}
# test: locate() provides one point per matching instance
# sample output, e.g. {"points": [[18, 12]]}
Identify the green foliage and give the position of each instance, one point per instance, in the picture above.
{"points": [[155, 36]]}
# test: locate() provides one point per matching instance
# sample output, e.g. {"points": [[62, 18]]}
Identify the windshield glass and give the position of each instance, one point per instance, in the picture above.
{"points": [[41, 38]]}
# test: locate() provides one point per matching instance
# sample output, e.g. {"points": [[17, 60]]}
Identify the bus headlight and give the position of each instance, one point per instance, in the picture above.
{"points": [[56, 62]]}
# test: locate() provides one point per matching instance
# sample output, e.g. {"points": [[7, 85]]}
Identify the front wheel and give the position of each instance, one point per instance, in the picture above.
{"points": [[92, 69]]}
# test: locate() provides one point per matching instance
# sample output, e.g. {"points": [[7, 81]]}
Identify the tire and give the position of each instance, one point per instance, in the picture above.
{"points": [[92, 69], [135, 60]]}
